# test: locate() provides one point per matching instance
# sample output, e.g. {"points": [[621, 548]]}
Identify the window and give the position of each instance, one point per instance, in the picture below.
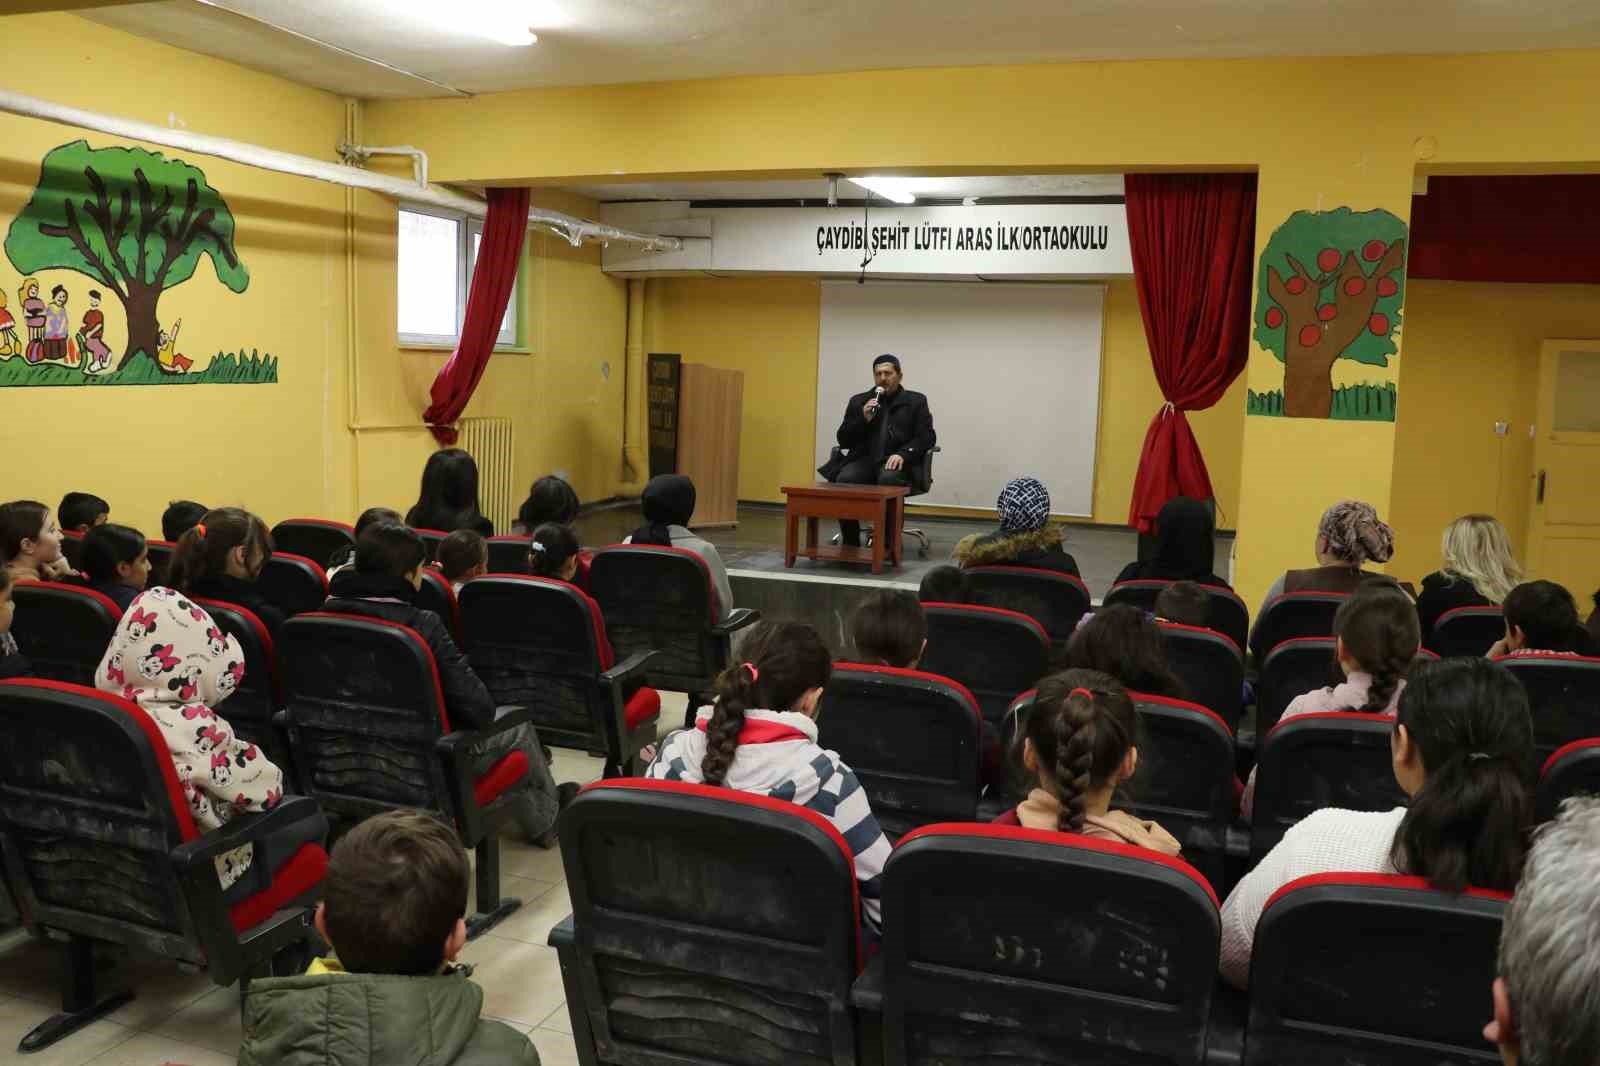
{"points": [[437, 253]]}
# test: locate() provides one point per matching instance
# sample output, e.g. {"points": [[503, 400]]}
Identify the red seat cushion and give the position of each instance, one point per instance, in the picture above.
{"points": [[643, 706], [303, 872], [513, 767]]}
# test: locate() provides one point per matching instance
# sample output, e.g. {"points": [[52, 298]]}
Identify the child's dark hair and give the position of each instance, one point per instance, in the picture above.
{"points": [[105, 546], [202, 551], [789, 660], [553, 543], [1378, 625], [395, 888], [1545, 612], [889, 627], [180, 517], [390, 548], [1468, 823], [945, 584], [550, 499], [1082, 726], [20, 520], [79, 510], [448, 497], [374, 515], [1126, 643], [458, 553], [1185, 603]]}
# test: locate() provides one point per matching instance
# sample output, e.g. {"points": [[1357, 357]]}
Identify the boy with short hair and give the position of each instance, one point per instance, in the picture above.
{"points": [[945, 584], [1185, 603], [180, 517], [1541, 616], [462, 556], [393, 904], [82, 511]]}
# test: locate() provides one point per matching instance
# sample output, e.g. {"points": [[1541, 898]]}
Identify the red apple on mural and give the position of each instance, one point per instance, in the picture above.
{"points": [[1355, 286], [1328, 259], [1379, 324], [1388, 286], [1274, 317], [1310, 336], [1373, 251], [1326, 312]]}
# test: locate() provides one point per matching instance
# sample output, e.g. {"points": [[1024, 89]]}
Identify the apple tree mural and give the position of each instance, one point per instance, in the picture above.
{"points": [[1330, 286]]}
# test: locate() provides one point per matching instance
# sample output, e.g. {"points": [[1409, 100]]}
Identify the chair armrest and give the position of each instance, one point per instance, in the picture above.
{"points": [[244, 829], [867, 992], [737, 619], [456, 743], [563, 934], [629, 667], [281, 719]]}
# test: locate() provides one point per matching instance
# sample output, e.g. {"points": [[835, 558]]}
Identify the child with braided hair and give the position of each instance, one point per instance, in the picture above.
{"points": [[1081, 741]]}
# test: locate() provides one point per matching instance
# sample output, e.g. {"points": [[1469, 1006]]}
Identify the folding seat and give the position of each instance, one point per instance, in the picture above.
{"points": [[1229, 615], [438, 595], [542, 644], [72, 547], [509, 555], [370, 732], [1210, 665], [662, 599], [1295, 614], [1011, 945], [100, 848], [63, 629], [1563, 693], [997, 654], [1372, 968], [707, 926], [293, 584], [1293, 668], [1051, 598], [914, 740], [1572, 770], [160, 552], [1325, 759], [316, 538], [1467, 631], [259, 697]]}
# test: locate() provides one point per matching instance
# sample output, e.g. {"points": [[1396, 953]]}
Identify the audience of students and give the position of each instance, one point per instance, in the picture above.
{"points": [[1463, 752], [220, 558], [345, 558], [30, 543], [462, 556], [1126, 643], [668, 505], [945, 584], [180, 517], [1541, 616], [448, 498], [80, 512], [1479, 570], [1185, 548], [116, 562], [550, 499], [12, 662], [1025, 536]]}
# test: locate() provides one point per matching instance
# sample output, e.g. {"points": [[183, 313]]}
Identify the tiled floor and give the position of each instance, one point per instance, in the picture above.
{"points": [[183, 1018]]}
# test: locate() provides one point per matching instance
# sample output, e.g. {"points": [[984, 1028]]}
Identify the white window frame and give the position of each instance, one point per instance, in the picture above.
{"points": [[466, 229]]}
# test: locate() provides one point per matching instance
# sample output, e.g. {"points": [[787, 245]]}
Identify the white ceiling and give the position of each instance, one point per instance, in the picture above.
{"points": [[1004, 187], [585, 42]]}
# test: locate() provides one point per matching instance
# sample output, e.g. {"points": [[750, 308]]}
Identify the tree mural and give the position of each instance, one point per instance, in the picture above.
{"points": [[131, 219], [1345, 306]]}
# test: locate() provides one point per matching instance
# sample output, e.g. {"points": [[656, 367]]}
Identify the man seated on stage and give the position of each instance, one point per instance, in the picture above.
{"points": [[886, 430]]}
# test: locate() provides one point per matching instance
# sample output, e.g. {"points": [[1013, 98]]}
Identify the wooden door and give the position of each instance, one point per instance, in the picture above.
{"points": [[1564, 520]]}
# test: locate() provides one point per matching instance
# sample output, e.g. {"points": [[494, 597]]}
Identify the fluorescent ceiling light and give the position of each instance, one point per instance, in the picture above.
{"points": [[896, 189], [510, 22]]}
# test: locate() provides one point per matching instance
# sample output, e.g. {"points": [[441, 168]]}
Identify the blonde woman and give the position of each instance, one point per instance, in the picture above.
{"points": [[1479, 569]]}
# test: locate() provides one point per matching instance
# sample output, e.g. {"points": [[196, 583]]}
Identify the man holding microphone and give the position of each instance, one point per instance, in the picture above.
{"points": [[886, 430]]}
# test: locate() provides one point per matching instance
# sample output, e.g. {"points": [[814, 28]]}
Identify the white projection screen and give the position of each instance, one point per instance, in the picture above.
{"points": [[1011, 372]]}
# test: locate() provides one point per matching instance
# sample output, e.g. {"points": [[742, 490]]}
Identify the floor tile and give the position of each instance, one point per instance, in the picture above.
{"points": [[531, 922], [211, 1021], [521, 982], [521, 1027], [555, 1048], [525, 860], [17, 1016], [161, 990], [148, 1049], [559, 1020], [32, 969]]}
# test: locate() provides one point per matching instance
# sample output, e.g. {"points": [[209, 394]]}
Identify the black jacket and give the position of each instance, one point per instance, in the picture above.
{"points": [[243, 593], [392, 599], [1441, 594], [910, 434], [1041, 549], [1149, 571]]}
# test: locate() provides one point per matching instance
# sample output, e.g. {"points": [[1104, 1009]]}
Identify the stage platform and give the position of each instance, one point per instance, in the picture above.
{"points": [[825, 593]]}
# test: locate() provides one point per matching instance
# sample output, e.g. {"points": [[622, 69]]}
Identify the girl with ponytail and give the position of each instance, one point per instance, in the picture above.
{"points": [[1080, 741], [760, 736], [1462, 749], [220, 557]]}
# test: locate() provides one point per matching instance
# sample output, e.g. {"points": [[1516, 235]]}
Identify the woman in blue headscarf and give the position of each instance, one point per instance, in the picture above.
{"points": [[1025, 536]]}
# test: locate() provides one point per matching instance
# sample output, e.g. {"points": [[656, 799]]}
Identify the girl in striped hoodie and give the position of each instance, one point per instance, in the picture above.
{"points": [[761, 737]]}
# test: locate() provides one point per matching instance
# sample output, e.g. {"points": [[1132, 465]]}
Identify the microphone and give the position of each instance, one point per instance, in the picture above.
{"points": [[877, 397]]}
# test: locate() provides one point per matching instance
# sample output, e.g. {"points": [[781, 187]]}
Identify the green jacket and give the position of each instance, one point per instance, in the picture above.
{"points": [[340, 1019]]}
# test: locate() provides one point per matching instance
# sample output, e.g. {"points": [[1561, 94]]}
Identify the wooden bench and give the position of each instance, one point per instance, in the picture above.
{"points": [[882, 505]]}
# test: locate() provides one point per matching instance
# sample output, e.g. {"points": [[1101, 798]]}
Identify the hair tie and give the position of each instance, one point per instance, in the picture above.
{"points": [[1081, 690], [755, 675], [201, 527], [1475, 756], [536, 547]]}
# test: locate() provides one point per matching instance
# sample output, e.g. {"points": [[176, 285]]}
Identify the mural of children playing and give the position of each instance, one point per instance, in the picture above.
{"points": [[167, 357], [92, 336], [10, 343], [33, 318], [58, 328]]}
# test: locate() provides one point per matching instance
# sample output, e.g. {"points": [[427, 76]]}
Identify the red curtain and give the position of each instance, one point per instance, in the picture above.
{"points": [[494, 278], [1523, 228], [1193, 241]]}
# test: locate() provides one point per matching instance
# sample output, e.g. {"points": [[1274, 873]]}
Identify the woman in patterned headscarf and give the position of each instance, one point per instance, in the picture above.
{"points": [[1350, 534], [1025, 536]]}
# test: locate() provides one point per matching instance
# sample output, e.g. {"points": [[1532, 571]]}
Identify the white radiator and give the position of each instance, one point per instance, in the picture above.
{"points": [[492, 442]]}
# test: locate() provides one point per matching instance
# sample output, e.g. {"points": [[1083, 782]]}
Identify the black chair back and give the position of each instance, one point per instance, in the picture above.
{"points": [[509, 555], [64, 630], [1295, 614], [1291, 669], [661, 598], [996, 653], [1051, 598], [293, 584], [315, 538], [1467, 631], [260, 695], [1563, 693], [1011, 945], [1211, 667], [913, 740], [160, 552], [72, 548], [663, 876], [1572, 770], [1325, 759], [1229, 615], [1411, 962], [438, 595]]}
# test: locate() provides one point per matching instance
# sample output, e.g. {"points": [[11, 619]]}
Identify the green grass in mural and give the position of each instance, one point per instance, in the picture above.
{"points": [[1352, 403], [227, 368]]}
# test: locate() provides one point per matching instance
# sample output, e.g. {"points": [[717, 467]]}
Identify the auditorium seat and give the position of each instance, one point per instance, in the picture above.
{"points": [[708, 925], [101, 850], [1373, 968], [1210, 665], [1011, 945], [1563, 694], [1293, 668], [370, 732], [542, 644], [72, 548], [1051, 598], [64, 630], [1571, 770], [160, 552], [259, 697], [1229, 615], [1295, 614], [997, 654], [662, 599], [914, 740], [1467, 631], [318, 539], [509, 555], [438, 595], [431, 538], [293, 584], [1324, 759]]}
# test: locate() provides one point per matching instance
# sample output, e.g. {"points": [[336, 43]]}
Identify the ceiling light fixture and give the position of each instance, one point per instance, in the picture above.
{"points": [[897, 190]]}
